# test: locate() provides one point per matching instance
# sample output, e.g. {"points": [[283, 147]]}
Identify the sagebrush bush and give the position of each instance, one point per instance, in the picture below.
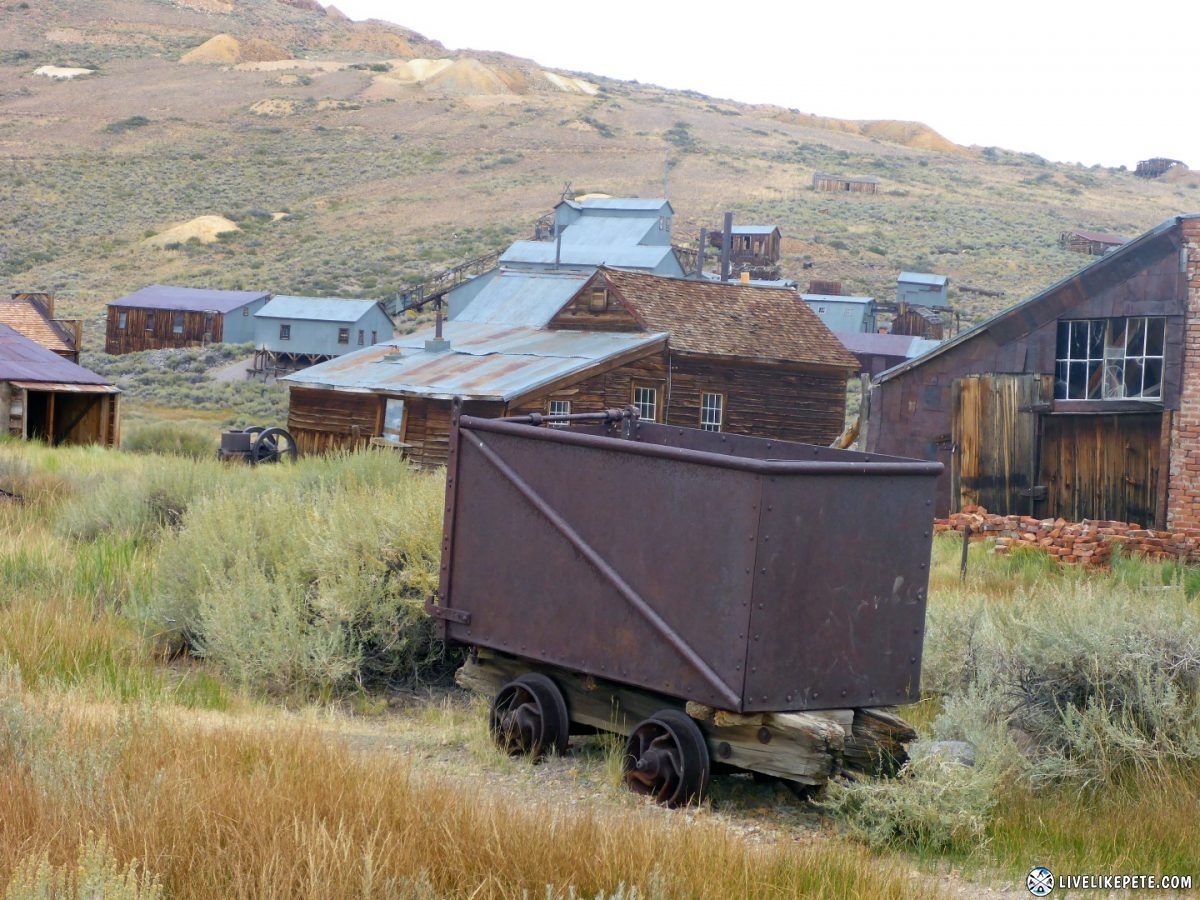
{"points": [[172, 440], [309, 578]]}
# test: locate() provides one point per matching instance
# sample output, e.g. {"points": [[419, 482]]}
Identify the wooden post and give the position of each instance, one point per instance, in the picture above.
{"points": [[962, 570]]}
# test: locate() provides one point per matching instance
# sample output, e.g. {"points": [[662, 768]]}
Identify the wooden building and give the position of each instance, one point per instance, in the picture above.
{"points": [[32, 315], [843, 184], [1091, 242], [1153, 168], [293, 332], [754, 249], [1081, 402], [161, 316], [48, 398], [918, 321], [720, 356]]}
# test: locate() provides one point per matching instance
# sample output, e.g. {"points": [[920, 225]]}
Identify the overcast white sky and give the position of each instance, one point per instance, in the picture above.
{"points": [[1092, 84]]}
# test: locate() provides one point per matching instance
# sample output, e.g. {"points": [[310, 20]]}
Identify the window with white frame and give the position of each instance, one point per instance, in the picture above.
{"points": [[559, 408], [1110, 359], [712, 411], [645, 400]]}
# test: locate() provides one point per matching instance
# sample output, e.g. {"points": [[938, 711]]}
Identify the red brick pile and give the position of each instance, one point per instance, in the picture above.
{"points": [[1088, 543]]}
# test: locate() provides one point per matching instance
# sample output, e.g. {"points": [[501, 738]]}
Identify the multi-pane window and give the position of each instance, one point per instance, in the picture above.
{"points": [[645, 400], [712, 411], [1110, 359], [285, 332], [177, 323], [343, 335], [122, 318], [559, 408], [150, 321]]}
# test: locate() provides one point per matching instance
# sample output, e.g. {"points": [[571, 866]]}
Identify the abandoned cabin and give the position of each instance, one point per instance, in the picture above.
{"points": [[843, 184], [753, 249], [46, 397], [32, 314], [293, 332], [1092, 242], [1082, 402], [718, 356], [161, 316]]}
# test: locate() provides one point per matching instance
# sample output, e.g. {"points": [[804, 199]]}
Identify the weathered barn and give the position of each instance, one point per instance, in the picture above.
{"points": [[161, 316], [840, 312], [1081, 402], [842, 183], [1092, 242], [32, 315], [725, 357], [48, 398], [293, 332], [918, 321], [922, 289]]}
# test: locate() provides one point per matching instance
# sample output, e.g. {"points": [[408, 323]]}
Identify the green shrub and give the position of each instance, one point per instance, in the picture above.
{"points": [[170, 439]]}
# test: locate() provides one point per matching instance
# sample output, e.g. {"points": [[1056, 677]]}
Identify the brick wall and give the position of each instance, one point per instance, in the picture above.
{"points": [[1183, 492]]}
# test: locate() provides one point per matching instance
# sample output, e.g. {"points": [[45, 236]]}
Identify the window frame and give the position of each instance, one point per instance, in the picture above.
{"points": [[1098, 360], [343, 336], [285, 331], [122, 320], [636, 386], [706, 424], [564, 409]]}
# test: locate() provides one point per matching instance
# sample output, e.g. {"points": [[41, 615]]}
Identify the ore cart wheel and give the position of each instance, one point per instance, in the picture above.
{"points": [[272, 445], [666, 758], [529, 717]]}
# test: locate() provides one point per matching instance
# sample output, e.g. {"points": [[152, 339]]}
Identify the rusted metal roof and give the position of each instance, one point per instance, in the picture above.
{"points": [[158, 296], [484, 362], [522, 297], [24, 360], [770, 325], [27, 317]]}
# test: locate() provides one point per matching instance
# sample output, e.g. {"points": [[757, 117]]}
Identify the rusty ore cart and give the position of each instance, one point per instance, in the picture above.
{"points": [[715, 598]]}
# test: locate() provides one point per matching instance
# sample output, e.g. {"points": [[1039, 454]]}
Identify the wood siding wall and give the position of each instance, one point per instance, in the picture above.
{"points": [[61, 418], [323, 421], [595, 308], [1102, 467], [154, 329]]}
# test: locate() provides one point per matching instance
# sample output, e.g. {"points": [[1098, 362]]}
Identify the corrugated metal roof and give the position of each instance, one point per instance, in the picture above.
{"points": [[905, 345], [602, 232], [22, 359], [835, 298], [753, 229], [316, 309], [923, 278], [158, 296], [731, 319], [634, 203], [26, 316], [522, 297], [626, 257], [484, 362]]}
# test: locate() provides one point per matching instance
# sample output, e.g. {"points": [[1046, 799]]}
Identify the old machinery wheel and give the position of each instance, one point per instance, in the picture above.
{"points": [[666, 758], [529, 717], [273, 445]]}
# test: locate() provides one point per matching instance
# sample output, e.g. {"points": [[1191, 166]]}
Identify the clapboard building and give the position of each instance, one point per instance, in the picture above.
{"points": [[162, 316]]}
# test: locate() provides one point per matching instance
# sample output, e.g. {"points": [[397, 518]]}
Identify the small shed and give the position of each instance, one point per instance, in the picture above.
{"points": [[32, 314], [922, 289], [45, 397], [919, 321], [843, 183], [292, 332], [842, 313], [1093, 242], [162, 316], [755, 249]]}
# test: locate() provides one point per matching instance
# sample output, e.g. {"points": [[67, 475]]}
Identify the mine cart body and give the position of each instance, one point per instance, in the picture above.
{"points": [[746, 574]]}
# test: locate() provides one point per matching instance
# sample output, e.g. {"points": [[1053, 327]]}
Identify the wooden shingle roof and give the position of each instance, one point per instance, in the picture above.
{"points": [[768, 325], [25, 316]]}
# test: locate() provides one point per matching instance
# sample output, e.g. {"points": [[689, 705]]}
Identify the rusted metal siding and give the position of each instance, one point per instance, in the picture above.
{"points": [[912, 408], [154, 329], [1102, 467], [994, 462]]}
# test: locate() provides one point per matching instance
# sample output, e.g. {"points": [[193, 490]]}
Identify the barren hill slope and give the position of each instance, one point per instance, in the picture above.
{"points": [[394, 158]]}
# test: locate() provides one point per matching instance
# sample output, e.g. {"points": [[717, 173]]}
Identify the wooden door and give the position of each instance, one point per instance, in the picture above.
{"points": [[1102, 466], [995, 440]]}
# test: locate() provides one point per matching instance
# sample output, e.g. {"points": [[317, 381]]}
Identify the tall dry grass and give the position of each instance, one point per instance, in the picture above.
{"points": [[226, 809]]}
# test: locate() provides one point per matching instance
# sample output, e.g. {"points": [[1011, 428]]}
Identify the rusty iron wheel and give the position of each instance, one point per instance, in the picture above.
{"points": [[529, 717], [666, 758], [272, 445]]}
